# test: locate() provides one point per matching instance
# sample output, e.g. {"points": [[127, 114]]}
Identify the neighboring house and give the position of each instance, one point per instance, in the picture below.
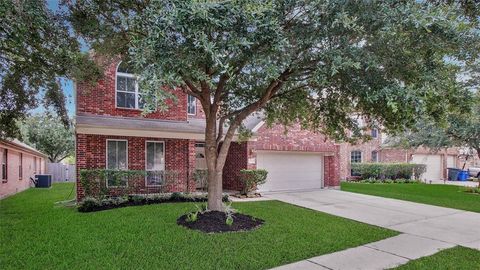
{"points": [[375, 150], [19, 162], [112, 132], [369, 151]]}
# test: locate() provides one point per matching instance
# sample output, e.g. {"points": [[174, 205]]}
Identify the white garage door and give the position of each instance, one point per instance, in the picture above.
{"points": [[291, 170], [434, 166]]}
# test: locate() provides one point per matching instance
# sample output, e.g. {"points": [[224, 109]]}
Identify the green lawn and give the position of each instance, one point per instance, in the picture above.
{"points": [[441, 195], [37, 234], [459, 258]]}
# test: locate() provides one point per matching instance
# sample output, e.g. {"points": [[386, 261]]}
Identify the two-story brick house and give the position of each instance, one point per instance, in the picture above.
{"points": [[112, 132]]}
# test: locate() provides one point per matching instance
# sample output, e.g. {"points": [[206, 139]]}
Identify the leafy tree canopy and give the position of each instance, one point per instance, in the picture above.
{"points": [[316, 62], [460, 129], [36, 49], [46, 133]]}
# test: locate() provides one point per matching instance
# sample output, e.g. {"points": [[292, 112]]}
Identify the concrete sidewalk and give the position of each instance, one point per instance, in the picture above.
{"points": [[426, 229]]}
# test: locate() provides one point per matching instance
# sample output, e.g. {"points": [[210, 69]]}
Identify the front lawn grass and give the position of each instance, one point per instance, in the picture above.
{"points": [[459, 258], [440, 195], [36, 233]]}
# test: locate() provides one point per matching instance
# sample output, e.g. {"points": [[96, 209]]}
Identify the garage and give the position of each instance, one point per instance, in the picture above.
{"points": [[434, 166], [291, 170]]}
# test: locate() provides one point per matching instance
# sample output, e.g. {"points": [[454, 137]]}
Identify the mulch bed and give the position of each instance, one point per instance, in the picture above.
{"points": [[214, 222]]}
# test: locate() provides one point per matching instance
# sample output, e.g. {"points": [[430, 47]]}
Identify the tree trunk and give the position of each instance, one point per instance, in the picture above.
{"points": [[214, 175]]}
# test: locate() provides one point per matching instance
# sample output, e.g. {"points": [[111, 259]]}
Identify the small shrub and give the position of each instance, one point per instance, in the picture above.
{"points": [[176, 197], [202, 208], [229, 211], [251, 179], [137, 199], [474, 190], [89, 204], [229, 221], [192, 217]]}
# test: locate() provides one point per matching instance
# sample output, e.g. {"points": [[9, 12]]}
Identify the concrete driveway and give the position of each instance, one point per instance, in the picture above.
{"points": [[439, 223], [426, 229]]}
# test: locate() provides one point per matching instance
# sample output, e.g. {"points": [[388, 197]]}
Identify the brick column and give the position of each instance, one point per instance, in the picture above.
{"points": [[191, 165], [80, 162], [332, 169]]}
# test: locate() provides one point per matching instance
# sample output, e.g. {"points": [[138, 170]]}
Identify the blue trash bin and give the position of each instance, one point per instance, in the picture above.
{"points": [[462, 175], [453, 174]]}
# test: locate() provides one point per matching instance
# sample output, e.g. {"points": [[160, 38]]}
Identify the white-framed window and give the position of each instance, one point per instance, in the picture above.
{"points": [[126, 88], [154, 163], [355, 157], [117, 159], [191, 105], [374, 133], [374, 156], [4, 165]]}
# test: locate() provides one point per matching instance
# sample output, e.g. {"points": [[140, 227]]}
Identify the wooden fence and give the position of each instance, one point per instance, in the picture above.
{"points": [[61, 172]]}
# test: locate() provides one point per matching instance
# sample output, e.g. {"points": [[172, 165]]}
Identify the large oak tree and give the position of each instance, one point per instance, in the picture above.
{"points": [[313, 62], [36, 50]]}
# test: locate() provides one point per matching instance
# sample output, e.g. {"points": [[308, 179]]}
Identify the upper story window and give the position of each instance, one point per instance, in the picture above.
{"points": [[191, 105], [374, 133], [127, 91]]}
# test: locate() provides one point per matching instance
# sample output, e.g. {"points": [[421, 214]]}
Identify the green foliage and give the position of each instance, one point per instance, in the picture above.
{"points": [[474, 190], [96, 182], [46, 133], [36, 50], [91, 204], [192, 217], [229, 212], [392, 171], [358, 56], [88, 204], [251, 179]]}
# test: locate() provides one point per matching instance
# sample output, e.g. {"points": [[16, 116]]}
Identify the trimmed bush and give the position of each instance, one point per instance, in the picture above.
{"points": [[251, 179], [388, 170], [90, 204]]}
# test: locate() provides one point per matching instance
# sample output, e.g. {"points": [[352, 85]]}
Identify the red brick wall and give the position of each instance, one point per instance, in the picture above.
{"points": [[332, 169], [99, 99], [296, 139], [237, 159], [91, 154]]}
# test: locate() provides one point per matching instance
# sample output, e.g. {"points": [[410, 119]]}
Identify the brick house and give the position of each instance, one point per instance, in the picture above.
{"points": [[19, 162], [375, 150], [111, 132]]}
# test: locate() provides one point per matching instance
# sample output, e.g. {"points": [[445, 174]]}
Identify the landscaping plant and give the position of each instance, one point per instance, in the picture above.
{"points": [[251, 179], [382, 171]]}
